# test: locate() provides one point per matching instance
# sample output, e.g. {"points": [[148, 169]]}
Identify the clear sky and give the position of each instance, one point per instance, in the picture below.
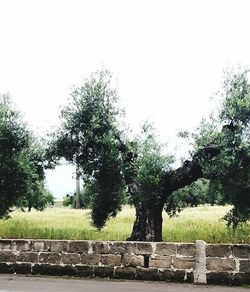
{"points": [[167, 55]]}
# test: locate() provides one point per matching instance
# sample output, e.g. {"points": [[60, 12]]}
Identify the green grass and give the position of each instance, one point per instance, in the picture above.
{"points": [[60, 223]]}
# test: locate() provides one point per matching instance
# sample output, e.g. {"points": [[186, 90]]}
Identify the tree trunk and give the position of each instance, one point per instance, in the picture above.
{"points": [[148, 223]]}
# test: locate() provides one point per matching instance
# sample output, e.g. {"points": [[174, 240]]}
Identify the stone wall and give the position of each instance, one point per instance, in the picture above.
{"points": [[178, 262]]}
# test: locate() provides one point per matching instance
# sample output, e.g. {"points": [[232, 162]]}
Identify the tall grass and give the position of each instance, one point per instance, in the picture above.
{"points": [[60, 223]]}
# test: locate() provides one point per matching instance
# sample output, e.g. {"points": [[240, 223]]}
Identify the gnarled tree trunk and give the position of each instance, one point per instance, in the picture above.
{"points": [[148, 222]]}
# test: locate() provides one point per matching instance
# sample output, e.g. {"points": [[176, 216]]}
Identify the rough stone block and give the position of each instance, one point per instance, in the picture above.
{"points": [[40, 245], [7, 256], [160, 262], [220, 265], [147, 274], [84, 271], [221, 278], [59, 246], [111, 260], [118, 247], [22, 245], [241, 251], [50, 258], [186, 250], [218, 250], [90, 259], [132, 261], [172, 276], [5, 244], [79, 246], [5, 268], [27, 257], [183, 263], [240, 279], [104, 272], [100, 247], [23, 268], [245, 266], [166, 249], [143, 248], [53, 270], [71, 258], [125, 273], [11, 268]]}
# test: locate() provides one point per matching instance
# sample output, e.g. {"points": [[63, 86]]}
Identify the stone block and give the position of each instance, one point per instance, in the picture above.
{"points": [[90, 259], [27, 257], [125, 273], [5, 268], [132, 261], [183, 263], [118, 247], [84, 271], [111, 260], [21, 268], [79, 246], [245, 266], [40, 245], [53, 270], [172, 276], [160, 262], [166, 249], [99, 247], [104, 272], [59, 246], [218, 250], [49, 258], [5, 244], [220, 265], [71, 258], [142, 248], [221, 278], [241, 251], [186, 250], [7, 256], [22, 245], [240, 279], [149, 274]]}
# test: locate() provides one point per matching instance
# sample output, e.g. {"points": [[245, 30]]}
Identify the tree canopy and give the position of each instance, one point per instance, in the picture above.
{"points": [[111, 163], [90, 138], [21, 160]]}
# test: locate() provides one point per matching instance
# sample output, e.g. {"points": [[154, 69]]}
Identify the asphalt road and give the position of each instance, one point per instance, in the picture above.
{"points": [[16, 283]]}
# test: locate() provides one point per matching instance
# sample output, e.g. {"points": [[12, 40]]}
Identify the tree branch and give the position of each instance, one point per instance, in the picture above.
{"points": [[189, 172]]}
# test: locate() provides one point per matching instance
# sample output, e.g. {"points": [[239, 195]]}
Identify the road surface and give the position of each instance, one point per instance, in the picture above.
{"points": [[16, 283]]}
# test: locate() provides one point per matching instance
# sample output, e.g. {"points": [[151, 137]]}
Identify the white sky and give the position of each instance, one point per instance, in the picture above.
{"points": [[168, 57]]}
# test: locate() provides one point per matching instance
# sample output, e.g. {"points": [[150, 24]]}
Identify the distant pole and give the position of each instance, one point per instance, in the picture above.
{"points": [[78, 205]]}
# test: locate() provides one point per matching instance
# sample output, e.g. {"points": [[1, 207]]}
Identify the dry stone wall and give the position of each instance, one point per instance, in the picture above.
{"points": [[178, 262]]}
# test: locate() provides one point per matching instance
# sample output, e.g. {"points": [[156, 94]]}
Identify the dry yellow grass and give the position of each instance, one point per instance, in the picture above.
{"points": [[202, 222]]}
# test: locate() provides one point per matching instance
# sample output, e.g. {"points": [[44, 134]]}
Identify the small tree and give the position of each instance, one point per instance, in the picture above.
{"points": [[21, 167], [89, 137]]}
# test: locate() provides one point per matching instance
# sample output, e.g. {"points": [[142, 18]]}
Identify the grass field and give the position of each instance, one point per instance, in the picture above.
{"points": [[202, 222]]}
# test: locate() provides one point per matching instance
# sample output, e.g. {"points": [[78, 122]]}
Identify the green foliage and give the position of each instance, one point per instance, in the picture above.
{"points": [[89, 137], [199, 192], [150, 164], [21, 164], [38, 198], [230, 170]]}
